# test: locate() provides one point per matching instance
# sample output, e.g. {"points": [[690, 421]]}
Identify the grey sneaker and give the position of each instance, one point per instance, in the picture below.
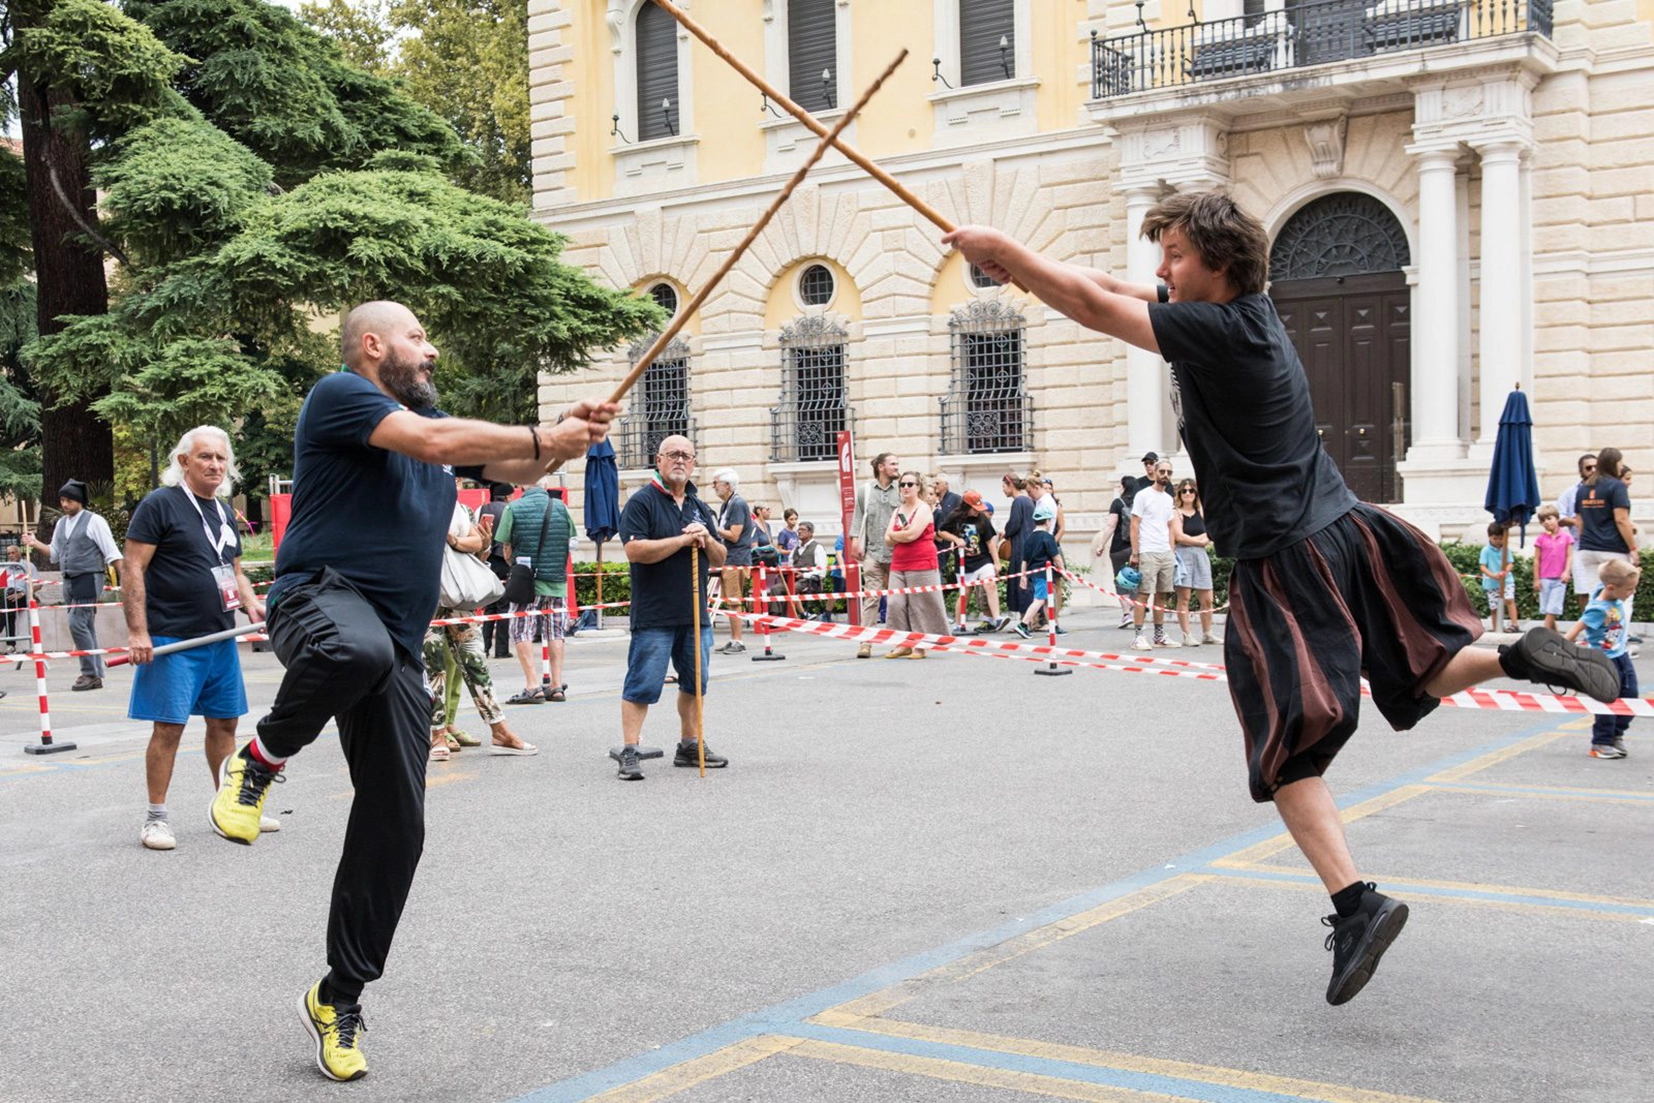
{"points": [[630, 770], [689, 754], [1357, 943], [733, 647], [1606, 750], [1547, 657], [1619, 745]]}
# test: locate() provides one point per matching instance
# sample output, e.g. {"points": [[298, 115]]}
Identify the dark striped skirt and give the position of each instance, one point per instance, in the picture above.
{"points": [[1367, 595]]}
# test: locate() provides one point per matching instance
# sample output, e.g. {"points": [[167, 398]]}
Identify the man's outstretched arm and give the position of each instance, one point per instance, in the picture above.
{"points": [[1068, 288]]}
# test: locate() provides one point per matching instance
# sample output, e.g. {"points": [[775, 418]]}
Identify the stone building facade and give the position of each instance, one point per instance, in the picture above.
{"points": [[1457, 193]]}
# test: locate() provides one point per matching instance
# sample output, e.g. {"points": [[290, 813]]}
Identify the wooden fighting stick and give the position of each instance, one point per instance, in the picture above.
{"points": [[671, 331]]}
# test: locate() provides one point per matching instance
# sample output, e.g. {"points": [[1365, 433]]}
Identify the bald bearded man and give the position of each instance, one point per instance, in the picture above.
{"points": [[356, 584]]}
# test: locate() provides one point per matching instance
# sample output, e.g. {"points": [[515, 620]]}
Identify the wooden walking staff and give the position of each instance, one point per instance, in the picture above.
{"points": [[671, 331], [695, 599]]}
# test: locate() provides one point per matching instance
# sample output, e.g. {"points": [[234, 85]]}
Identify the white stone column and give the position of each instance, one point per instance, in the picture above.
{"points": [[1146, 373], [1500, 344], [1435, 335]]}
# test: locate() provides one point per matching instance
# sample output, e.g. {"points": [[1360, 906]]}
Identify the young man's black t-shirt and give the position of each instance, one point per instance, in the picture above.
{"points": [[977, 531], [1595, 506], [377, 517], [1245, 415], [661, 593], [180, 594]]}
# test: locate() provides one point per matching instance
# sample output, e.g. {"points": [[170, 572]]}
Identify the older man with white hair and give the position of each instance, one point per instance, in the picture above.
{"points": [[739, 533], [184, 579]]}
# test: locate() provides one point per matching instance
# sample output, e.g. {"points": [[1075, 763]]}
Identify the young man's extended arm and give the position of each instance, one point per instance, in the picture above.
{"points": [[1067, 288]]}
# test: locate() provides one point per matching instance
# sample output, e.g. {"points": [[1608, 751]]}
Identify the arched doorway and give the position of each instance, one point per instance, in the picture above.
{"points": [[1337, 281]]}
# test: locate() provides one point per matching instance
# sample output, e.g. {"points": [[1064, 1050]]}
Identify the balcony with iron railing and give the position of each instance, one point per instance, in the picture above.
{"points": [[1297, 36]]}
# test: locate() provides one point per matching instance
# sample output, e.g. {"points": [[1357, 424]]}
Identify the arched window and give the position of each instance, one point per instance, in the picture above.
{"points": [[812, 54], [666, 297], [660, 404], [1343, 234], [659, 110], [816, 286], [805, 424], [987, 408], [987, 41]]}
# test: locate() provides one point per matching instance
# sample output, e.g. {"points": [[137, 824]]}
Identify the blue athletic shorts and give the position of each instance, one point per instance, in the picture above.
{"points": [[647, 656], [203, 681]]}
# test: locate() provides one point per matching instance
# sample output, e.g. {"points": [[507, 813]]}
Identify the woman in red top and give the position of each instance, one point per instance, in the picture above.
{"points": [[912, 533]]}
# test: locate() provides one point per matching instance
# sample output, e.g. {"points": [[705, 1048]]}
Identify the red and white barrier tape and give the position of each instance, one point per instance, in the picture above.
{"points": [[1132, 599], [1498, 700]]}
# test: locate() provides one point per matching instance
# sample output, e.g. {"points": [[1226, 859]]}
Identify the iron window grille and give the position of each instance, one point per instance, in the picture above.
{"points": [[815, 286], [660, 408], [666, 297], [805, 424], [987, 407]]}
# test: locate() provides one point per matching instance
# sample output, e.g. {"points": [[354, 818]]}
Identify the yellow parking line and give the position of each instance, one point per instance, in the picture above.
{"points": [[682, 1077], [1493, 758], [1245, 859], [875, 1003], [1129, 1062], [1551, 792], [1473, 894], [936, 1068]]}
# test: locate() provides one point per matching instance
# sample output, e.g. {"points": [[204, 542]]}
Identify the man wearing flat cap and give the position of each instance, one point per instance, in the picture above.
{"points": [[81, 546]]}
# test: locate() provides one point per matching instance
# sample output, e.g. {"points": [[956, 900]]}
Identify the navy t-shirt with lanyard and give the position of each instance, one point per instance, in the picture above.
{"points": [[191, 536], [377, 517]]}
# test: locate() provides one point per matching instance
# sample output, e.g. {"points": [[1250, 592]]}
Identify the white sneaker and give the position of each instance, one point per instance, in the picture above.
{"points": [[1209, 638], [1140, 644], [267, 824], [1190, 641], [1162, 641], [157, 835]]}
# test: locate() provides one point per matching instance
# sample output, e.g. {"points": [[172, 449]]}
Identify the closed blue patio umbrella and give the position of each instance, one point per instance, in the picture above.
{"points": [[1512, 482], [602, 505]]}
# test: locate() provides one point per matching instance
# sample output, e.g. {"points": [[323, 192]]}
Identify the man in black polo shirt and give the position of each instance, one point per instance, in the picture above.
{"points": [[347, 616], [659, 525]]}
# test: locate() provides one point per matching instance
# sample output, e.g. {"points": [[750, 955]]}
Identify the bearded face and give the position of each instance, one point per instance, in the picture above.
{"points": [[407, 376]]}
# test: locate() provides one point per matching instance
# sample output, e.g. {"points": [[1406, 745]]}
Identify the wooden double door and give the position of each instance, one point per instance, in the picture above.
{"points": [[1353, 335]]}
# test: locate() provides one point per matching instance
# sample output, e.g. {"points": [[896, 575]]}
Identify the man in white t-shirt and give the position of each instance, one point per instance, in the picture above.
{"points": [[1151, 553]]}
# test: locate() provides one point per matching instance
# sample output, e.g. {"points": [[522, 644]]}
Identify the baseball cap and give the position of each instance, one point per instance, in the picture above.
{"points": [[1046, 510], [973, 500], [1151, 457]]}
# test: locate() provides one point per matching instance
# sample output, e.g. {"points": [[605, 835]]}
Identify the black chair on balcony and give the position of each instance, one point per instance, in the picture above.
{"points": [[1240, 56], [1411, 28]]}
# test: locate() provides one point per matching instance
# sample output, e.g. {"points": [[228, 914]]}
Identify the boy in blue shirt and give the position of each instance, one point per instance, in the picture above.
{"points": [[1604, 623], [1498, 574], [1041, 550]]}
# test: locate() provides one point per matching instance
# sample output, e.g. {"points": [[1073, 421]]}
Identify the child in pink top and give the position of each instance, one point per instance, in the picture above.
{"points": [[1553, 566]]}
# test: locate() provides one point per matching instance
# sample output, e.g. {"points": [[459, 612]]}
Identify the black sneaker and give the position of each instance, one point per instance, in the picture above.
{"points": [[688, 754], [630, 770], [1547, 657], [1357, 943]]}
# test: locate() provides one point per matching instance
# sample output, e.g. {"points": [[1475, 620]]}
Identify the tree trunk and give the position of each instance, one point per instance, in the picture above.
{"points": [[75, 443]]}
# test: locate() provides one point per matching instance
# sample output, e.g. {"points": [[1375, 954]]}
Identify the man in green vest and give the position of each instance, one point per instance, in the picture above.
{"points": [[538, 528]]}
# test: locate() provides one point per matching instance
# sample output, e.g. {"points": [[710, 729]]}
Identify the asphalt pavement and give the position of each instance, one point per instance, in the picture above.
{"points": [[943, 880]]}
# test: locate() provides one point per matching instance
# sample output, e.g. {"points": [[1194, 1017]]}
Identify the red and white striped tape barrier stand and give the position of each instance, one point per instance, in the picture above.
{"points": [[1497, 700]]}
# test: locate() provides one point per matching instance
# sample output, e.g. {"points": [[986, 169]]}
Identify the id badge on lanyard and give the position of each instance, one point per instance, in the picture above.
{"points": [[229, 594]]}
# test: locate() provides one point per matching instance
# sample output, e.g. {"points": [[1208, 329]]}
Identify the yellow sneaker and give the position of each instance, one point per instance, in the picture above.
{"points": [[338, 1031], [237, 810]]}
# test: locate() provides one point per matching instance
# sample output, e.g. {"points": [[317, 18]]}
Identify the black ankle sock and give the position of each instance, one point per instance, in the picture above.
{"points": [[331, 992], [1347, 900]]}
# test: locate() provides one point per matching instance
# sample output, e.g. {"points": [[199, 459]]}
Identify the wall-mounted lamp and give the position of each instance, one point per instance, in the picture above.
{"points": [[666, 114], [827, 88], [1005, 55], [1142, 26], [936, 72], [614, 130], [766, 105]]}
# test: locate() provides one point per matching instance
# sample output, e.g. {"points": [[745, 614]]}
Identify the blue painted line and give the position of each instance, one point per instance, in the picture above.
{"points": [[788, 1017], [1541, 791], [1413, 889], [1175, 1086]]}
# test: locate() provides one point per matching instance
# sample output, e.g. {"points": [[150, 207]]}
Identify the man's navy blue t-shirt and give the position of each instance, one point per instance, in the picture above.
{"points": [[662, 596], [377, 517]]}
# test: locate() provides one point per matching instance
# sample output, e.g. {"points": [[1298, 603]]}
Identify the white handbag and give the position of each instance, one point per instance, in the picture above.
{"points": [[467, 582]]}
